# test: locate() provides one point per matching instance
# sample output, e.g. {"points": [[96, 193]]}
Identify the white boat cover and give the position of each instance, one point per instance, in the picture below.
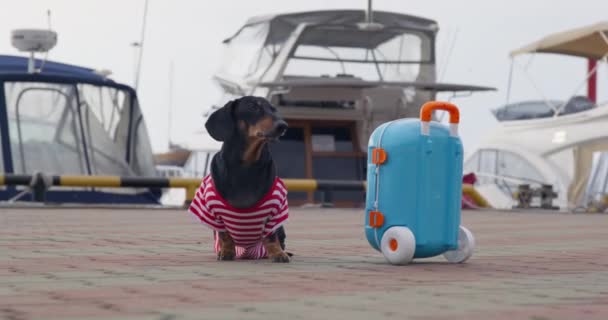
{"points": [[588, 42]]}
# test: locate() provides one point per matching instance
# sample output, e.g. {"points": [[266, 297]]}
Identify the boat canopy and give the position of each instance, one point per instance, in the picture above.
{"points": [[327, 44], [587, 42], [16, 65], [281, 26], [68, 120]]}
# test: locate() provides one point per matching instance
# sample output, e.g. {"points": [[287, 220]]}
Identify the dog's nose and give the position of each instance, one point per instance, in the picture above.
{"points": [[280, 127]]}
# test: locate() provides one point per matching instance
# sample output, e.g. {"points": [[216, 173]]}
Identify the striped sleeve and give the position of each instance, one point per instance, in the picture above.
{"points": [[281, 212], [199, 208]]}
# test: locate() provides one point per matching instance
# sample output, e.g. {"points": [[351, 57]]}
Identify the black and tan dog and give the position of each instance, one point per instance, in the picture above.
{"points": [[243, 186]]}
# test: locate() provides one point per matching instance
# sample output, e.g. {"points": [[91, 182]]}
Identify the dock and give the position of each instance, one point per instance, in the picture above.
{"points": [[102, 263]]}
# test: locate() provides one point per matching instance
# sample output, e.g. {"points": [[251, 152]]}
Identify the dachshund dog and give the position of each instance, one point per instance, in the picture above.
{"points": [[242, 199]]}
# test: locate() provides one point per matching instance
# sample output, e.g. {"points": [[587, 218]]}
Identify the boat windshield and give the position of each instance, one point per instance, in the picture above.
{"points": [[248, 54], [389, 54], [62, 128], [535, 109]]}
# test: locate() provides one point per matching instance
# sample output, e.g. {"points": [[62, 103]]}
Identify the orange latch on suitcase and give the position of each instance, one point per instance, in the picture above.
{"points": [[378, 156], [376, 219]]}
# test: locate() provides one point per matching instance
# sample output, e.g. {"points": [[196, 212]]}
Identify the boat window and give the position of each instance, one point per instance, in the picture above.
{"points": [[311, 102], [105, 113], [526, 110], [577, 104], [513, 165], [389, 55], [503, 168], [406, 48], [44, 129], [106, 103], [248, 54], [331, 139]]}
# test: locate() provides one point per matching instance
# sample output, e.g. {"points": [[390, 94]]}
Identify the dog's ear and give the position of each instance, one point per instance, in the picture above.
{"points": [[221, 124]]}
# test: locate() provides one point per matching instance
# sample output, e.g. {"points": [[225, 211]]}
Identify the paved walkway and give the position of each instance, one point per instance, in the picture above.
{"points": [[158, 264]]}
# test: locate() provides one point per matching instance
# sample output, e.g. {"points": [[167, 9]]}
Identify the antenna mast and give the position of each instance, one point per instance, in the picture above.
{"points": [[170, 103], [141, 45], [369, 23], [48, 18], [369, 14]]}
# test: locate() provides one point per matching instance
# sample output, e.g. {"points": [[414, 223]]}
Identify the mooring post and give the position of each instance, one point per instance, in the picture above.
{"points": [[39, 185], [326, 198]]}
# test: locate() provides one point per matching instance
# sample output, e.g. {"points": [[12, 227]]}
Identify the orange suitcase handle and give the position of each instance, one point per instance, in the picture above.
{"points": [[426, 113]]}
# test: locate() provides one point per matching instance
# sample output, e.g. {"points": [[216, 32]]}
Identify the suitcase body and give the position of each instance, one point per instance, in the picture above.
{"points": [[414, 182]]}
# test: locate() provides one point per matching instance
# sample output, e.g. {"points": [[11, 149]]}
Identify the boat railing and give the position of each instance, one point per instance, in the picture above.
{"points": [[506, 182], [38, 184]]}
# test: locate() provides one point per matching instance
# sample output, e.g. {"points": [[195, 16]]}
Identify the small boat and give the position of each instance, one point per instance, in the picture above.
{"points": [[552, 142], [62, 119]]}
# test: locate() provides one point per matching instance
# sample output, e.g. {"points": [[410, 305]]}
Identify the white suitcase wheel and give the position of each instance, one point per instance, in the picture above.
{"points": [[398, 245], [466, 246]]}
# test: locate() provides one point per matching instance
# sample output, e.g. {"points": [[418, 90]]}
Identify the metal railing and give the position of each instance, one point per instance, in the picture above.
{"points": [[40, 183]]}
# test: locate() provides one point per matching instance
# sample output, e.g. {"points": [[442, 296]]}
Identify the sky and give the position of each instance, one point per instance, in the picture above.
{"points": [[187, 35]]}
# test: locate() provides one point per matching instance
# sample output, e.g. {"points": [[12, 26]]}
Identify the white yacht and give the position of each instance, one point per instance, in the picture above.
{"points": [[560, 143], [334, 76]]}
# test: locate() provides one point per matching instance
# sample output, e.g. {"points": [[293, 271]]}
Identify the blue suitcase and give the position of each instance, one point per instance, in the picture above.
{"points": [[414, 189]]}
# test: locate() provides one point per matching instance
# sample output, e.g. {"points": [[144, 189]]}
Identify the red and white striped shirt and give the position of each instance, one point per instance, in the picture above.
{"points": [[246, 226]]}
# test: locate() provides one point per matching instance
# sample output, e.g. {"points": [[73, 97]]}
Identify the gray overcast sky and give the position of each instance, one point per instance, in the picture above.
{"points": [[98, 34]]}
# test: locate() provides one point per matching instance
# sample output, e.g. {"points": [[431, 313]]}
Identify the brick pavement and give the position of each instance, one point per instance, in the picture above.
{"points": [[158, 264]]}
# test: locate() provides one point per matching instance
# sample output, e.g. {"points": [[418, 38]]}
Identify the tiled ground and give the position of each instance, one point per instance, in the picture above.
{"points": [[158, 264]]}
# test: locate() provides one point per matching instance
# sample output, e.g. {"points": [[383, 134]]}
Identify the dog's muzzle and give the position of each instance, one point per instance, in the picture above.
{"points": [[278, 130]]}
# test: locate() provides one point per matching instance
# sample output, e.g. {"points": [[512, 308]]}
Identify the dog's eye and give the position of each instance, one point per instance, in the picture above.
{"points": [[256, 109]]}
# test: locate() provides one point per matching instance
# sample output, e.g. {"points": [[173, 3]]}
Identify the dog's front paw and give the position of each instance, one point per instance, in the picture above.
{"points": [[227, 248], [281, 258], [225, 256], [275, 252]]}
